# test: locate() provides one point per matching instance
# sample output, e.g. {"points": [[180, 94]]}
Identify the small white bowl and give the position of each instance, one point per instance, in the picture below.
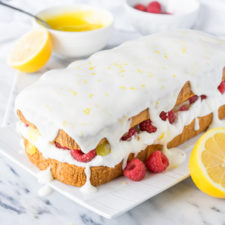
{"points": [[184, 15], [78, 44]]}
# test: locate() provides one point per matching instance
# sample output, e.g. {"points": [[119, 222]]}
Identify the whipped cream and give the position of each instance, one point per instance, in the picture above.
{"points": [[94, 98]]}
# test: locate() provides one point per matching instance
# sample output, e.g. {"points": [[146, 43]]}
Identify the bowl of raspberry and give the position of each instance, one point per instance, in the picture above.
{"points": [[154, 16]]}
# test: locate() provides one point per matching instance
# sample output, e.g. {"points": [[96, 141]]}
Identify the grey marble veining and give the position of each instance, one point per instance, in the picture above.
{"points": [[19, 202]]}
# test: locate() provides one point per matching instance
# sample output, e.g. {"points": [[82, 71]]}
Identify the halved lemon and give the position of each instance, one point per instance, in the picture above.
{"points": [[31, 52], [207, 163]]}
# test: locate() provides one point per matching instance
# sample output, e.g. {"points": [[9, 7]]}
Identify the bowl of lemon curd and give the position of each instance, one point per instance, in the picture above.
{"points": [[77, 30]]}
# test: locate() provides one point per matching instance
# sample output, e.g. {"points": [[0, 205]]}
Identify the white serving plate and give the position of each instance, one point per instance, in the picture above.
{"points": [[111, 199]]}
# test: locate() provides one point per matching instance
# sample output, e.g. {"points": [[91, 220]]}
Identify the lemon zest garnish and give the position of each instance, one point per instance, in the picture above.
{"points": [[64, 123], [122, 87], [93, 74], [91, 68], [174, 75], [139, 70], [73, 92], [166, 56], [143, 85], [161, 136], [108, 68], [183, 50], [156, 51], [132, 88], [91, 95], [87, 111]]}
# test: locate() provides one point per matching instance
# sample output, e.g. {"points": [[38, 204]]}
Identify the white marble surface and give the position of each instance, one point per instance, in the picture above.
{"points": [[19, 202]]}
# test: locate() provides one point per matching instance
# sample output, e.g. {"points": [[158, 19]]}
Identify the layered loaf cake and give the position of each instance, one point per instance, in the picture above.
{"points": [[85, 122]]}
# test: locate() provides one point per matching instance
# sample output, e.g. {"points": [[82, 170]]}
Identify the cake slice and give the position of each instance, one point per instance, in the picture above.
{"points": [[87, 120]]}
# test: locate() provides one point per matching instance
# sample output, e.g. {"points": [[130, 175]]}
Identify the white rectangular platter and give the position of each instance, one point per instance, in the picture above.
{"points": [[111, 199]]}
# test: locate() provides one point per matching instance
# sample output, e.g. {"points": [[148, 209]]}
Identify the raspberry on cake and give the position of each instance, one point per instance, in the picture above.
{"points": [[135, 170], [137, 102]]}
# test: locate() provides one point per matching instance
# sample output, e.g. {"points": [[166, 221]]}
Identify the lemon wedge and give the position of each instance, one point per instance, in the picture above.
{"points": [[31, 52], [207, 163]]}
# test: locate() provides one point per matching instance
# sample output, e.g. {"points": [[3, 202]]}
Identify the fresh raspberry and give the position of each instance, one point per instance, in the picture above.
{"points": [[135, 170], [27, 125], [163, 115], [129, 134], [140, 7], [193, 99], [154, 7], [147, 126], [183, 108], [171, 116], [157, 162], [203, 97], [81, 157], [57, 145], [221, 87]]}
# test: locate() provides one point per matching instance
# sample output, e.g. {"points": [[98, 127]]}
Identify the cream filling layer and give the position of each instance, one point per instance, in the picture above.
{"points": [[120, 150]]}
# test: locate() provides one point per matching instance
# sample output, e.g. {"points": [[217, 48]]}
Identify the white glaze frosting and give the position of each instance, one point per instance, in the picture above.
{"points": [[88, 187], [44, 177], [197, 126], [94, 98], [44, 190]]}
